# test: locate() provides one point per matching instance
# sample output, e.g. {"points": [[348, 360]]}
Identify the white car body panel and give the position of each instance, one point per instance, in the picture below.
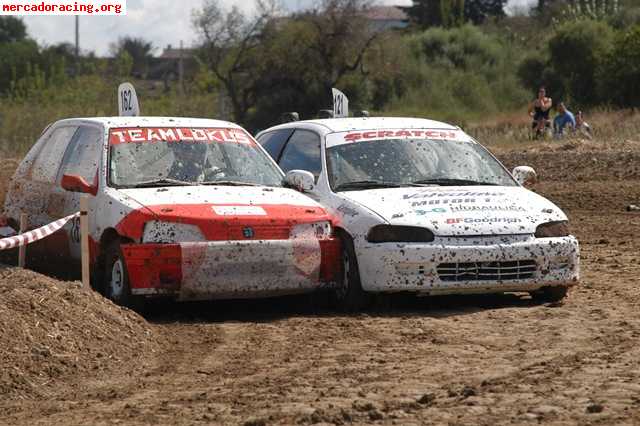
{"points": [[180, 209], [475, 225]]}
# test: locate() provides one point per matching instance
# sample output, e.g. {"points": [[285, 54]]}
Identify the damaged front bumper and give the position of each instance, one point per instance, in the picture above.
{"points": [[470, 265], [232, 269]]}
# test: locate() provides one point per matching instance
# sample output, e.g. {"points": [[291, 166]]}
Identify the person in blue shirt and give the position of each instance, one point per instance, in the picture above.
{"points": [[565, 119]]}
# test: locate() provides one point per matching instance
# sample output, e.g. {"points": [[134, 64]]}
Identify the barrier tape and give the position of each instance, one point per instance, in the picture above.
{"points": [[36, 234]]}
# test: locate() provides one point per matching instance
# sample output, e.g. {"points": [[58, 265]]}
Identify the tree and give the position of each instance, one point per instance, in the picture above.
{"points": [[315, 51], [268, 64], [477, 11], [231, 41], [619, 75], [12, 29], [436, 13], [139, 50], [576, 50]]}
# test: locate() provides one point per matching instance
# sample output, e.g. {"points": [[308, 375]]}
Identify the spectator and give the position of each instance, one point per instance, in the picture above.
{"points": [[539, 111], [582, 126], [563, 120]]}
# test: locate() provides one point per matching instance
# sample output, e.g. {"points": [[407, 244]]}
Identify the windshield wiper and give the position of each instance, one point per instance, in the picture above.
{"points": [[366, 184], [228, 183], [453, 182], [163, 182]]}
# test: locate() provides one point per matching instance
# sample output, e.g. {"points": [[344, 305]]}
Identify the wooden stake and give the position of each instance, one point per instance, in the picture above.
{"points": [[22, 251], [84, 236]]}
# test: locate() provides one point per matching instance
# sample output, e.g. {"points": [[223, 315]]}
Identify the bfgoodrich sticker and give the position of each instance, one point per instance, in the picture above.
{"points": [[470, 220]]}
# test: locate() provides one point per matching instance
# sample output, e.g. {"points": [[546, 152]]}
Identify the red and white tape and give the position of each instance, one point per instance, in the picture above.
{"points": [[36, 234]]}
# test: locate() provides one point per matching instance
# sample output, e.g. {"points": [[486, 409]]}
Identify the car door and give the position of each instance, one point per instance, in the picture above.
{"points": [[83, 158]]}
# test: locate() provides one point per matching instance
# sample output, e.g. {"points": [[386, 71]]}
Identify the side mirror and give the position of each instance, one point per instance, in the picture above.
{"points": [[525, 175], [75, 183], [300, 180]]}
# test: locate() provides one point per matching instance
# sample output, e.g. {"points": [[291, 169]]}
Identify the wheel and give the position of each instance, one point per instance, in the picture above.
{"points": [[349, 296], [550, 294], [115, 277]]}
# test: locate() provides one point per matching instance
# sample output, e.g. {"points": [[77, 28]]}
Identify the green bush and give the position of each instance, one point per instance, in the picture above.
{"points": [[576, 52], [619, 75], [458, 75]]}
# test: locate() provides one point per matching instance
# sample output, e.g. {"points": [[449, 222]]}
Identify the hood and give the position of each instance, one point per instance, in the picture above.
{"points": [[222, 213], [218, 195], [451, 210]]}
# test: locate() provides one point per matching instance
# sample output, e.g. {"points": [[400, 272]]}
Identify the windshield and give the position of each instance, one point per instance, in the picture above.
{"points": [[165, 157], [411, 162]]}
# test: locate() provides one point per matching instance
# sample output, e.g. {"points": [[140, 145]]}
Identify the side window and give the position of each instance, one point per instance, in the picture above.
{"points": [[302, 152], [83, 154], [47, 162], [273, 142]]}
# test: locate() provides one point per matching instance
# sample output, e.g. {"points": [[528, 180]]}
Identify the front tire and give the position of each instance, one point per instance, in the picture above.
{"points": [[116, 278], [552, 294], [349, 296]]}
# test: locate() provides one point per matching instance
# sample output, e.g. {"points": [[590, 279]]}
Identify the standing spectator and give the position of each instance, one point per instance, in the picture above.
{"points": [[564, 119], [539, 110]]}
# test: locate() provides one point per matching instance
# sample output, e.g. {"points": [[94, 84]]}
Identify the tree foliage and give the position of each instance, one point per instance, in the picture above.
{"points": [[436, 13], [139, 50], [268, 64], [619, 75], [478, 11], [12, 29]]}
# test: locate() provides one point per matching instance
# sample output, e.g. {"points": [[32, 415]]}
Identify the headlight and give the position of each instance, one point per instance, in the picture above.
{"points": [[170, 232], [553, 229], [399, 234], [317, 231]]}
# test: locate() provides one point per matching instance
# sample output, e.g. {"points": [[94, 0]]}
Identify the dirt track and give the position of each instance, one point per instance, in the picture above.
{"points": [[488, 360]]}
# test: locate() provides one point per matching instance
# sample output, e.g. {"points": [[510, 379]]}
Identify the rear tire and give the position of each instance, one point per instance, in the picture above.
{"points": [[550, 294], [349, 296], [116, 277]]}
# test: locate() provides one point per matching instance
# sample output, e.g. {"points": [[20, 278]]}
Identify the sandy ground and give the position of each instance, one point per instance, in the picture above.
{"points": [[455, 360]]}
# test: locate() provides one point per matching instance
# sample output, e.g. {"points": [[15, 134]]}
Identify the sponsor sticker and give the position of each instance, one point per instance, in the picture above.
{"points": [[342, 138], [470, 220], [239, 210], [476, 208], [458, 194], [177, 134], [445, 201]]}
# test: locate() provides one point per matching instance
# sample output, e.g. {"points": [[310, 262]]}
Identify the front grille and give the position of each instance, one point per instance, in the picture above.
{"points": [[487, 271]]}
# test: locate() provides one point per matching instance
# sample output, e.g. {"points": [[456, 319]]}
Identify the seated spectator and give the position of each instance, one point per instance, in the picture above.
{"points": [[539, 110], [563, 120], [582, 126]]}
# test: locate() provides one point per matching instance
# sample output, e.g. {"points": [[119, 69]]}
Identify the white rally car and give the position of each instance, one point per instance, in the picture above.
{"points": [[188, 208], [423, 208]]}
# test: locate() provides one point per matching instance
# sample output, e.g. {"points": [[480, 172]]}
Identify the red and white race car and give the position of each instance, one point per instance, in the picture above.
{"points": [[181, 207]]}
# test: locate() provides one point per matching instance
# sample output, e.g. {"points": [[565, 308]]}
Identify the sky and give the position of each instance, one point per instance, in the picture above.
{"points": [[163, 22]]}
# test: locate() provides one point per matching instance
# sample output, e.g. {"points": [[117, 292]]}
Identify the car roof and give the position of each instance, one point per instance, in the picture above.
{"points": [[332, 125], [112, 122]]}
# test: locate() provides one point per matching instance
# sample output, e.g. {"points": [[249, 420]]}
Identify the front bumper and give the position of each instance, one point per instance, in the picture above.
{"points": [[470, 265], [232, 269]]}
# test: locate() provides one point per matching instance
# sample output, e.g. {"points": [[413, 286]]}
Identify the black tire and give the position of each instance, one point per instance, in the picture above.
{"points": [[349, 296], [116, 278], [550, 294]]}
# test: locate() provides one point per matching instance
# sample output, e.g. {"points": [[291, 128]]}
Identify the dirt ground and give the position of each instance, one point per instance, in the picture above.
{"points": [[454, 360]]}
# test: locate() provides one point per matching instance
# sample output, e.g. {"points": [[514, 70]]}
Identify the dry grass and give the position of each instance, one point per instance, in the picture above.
{"points": [[612, 130]]}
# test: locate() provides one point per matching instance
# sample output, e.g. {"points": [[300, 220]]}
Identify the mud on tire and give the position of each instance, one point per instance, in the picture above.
{"points": [[550, 294], [115, 277], [349, 296]]}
